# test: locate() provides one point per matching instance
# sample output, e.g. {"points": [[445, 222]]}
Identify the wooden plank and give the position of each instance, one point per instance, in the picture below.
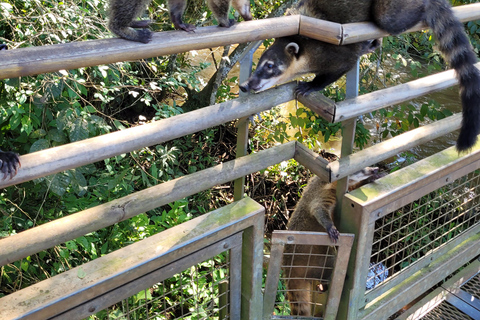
{"points": [[76, 154], [36, 60], [322, 30], [312, 161], [408, 184], [252, 270], [386, 149], [361, 31], [369, 102], [64, 291], [45, 236], [318, 103]]}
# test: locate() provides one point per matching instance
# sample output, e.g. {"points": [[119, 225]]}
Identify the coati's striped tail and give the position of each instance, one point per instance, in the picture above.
{"points": [[454, 44]]}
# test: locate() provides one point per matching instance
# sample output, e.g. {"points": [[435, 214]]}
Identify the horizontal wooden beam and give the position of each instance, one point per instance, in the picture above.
{"points": [[37, 60], [312, 161], [76, 154], [386, 149], [48, 235], [369, 102], [322, 30]]}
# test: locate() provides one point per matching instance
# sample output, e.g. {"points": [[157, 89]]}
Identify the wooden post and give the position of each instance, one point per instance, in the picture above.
{"points": [[342, 222], [242, 124]]}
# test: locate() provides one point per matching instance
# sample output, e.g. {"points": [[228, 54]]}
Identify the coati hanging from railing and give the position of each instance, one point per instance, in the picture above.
{"points": [[289, 57], [124, 12], [314, 212]]}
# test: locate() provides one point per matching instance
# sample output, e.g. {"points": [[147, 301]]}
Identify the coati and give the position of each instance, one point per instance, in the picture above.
{"points": [[292, 56], [124, 12], [314, 212]]}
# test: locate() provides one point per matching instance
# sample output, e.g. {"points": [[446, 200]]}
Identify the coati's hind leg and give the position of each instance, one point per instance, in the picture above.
{"points": [[122, 16], [396, 16], [177, 7], [220, 10], [298, 294]]}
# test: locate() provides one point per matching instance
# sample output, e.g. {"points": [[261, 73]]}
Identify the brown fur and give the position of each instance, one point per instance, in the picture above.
{"points": [[124, 12], [314, 212]]}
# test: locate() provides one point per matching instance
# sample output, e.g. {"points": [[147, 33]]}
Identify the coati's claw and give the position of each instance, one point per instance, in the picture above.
{"points": [[144, 35], [186, 27], [9, 164], [333, 234]]}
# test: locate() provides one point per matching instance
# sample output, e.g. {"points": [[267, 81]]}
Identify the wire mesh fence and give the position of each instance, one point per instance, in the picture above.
{"points": [[306, 277], [412, 232], [200, 292]]}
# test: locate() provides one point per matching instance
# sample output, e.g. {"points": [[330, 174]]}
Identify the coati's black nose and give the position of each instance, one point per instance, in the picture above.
{"points": [[244, 86]]}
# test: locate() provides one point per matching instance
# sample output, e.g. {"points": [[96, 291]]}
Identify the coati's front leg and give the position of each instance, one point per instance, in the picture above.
{"points": [[9, 164], [317, 84], [322, 210]]}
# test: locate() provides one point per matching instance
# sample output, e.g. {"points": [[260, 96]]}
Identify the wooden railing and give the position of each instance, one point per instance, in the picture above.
{"points": [[35, 60]]}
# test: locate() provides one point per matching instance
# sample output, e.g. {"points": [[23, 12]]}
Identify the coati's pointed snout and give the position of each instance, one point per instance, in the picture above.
{"points": [[245, 87]]}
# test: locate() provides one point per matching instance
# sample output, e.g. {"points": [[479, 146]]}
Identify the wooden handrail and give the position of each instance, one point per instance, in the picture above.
{"points": [[42, 163], [36, 60]]}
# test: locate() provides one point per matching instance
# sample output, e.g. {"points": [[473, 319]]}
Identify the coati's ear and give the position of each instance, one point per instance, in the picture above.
{"points": [[292, 48], [371, 45]]}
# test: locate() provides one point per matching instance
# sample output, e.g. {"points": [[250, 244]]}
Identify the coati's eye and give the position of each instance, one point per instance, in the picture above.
{"points": [[269, 65]]}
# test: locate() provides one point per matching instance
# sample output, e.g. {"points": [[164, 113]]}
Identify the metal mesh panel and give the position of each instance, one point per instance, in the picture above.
{"points": [[472, 286], [406, 235], [445, 311], [305, 279], [200, 292]]}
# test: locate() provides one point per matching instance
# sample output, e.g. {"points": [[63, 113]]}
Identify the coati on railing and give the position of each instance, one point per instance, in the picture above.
{"points": [[124, 12], [314, 212], [292, 56]]}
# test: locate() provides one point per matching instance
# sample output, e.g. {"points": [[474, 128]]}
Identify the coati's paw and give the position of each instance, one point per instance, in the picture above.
{"points": [[140, 24], [9, 164], [144, 35], [227, 24], [333, 234], [305, 88], [185, 26]]}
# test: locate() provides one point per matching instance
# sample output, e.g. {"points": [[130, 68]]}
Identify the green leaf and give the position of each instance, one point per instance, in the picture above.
{"points": [[81, 273], [38, 145]]}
